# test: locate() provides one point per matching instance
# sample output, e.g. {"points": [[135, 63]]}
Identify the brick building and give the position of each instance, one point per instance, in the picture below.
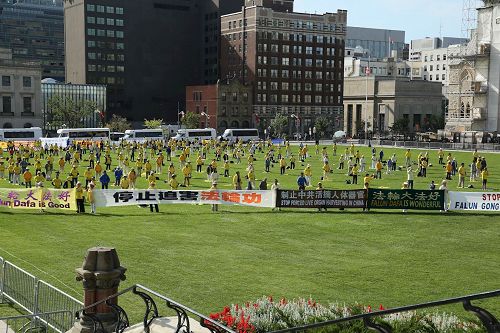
{"points": [[293, 60]]}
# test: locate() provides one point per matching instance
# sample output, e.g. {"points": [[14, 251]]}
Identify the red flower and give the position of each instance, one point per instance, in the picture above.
{"points": [[369, 308], [381, 307], [270, 298]]}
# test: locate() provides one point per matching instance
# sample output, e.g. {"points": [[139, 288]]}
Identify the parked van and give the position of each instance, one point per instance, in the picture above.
{"points": [[244, 134], [194, 135], [143, 135]]}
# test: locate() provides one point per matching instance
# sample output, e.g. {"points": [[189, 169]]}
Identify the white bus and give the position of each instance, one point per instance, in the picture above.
{"points": [[84, 134], [143, 135], [193, 135], [20, 134], [243, 134]]}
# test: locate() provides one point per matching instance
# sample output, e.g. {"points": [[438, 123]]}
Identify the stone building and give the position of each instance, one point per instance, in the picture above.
{"points": [[227, 104], [20, 93], [380, 101], [473, 93]]}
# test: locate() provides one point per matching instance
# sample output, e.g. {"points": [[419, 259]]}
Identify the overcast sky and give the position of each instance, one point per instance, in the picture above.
{"points": [[418, 18]]}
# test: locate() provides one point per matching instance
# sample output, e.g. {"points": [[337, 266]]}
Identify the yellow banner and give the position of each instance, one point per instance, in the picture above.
{"points": [[38, 198]]}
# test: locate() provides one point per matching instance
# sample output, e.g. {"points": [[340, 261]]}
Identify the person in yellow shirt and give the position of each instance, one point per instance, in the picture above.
{"points": [[199, 163], [88, 176], [27, 175], [186, 172], [326, 170], [237, 181], [354, 173], [80, 198], [124, 183], [308, 174], [74, 175], [378, 169], [174, 184], [408, 157], [282, 165], [449, 169], [171, 171], [91, 198], [484, 176], [367, 180], [461, 176], [39, 179], [98, 170], [152, 178], [132, 176], [57, 182]]}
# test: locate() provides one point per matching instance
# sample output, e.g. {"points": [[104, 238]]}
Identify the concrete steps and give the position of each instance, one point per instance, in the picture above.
{"points": [[164, 325]]}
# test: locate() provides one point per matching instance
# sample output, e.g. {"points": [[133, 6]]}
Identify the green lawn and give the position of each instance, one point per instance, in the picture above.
{"points": [[208, 260]]}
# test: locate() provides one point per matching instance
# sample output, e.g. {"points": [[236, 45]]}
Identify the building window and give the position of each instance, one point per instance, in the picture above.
{"points": [[100, 20], [91, 32], [91, 55], [100, 9], [90, 8], [119, 23], [119, 10], [120, 46], [110, 10], [27, 81], [120, 69], [119, 34], [27, 105], [7, 104], [6, 80], [90, 43], [90, 19], [101, 33], [91, 68], [110, 21], [110, 33]]}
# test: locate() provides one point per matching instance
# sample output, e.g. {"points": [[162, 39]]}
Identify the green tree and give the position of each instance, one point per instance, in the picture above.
{"points": [[64, 110], [153, 123], [191, 120], [118, 124], [436, 123], [279, 125], [400, 126], [323, 126]]}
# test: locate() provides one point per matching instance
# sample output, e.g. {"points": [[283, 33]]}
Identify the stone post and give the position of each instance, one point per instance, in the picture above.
{"points": [[101, 274]]}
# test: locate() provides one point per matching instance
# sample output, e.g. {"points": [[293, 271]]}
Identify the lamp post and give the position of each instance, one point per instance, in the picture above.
{"points": [[297, 123], [314, 133], [367, 73], [207, 118]]}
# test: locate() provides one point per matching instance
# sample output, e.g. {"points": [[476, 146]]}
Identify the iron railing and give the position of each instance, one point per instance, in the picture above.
{"points": [[488, 320], [36, 297], [51, 322], [151, 312]]}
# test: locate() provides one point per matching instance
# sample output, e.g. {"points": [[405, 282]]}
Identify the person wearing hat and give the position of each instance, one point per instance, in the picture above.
{"points": [[215, 207], [80, 207]]}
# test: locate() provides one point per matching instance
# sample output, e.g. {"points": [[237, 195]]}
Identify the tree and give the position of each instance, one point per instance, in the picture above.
{"points": [[66, 111], [400, 126], [279, 125], [323, 126], [436, 123], [191, 120], [118, 124], [153, 123]]}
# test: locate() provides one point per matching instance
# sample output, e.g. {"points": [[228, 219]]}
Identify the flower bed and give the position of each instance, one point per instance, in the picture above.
{"points": [[265, 315]]}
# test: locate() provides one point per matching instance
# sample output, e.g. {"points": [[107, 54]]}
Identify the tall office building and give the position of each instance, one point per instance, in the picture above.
{"points": [[293, 60], [379, 42], [34, 30], [146, 51]]}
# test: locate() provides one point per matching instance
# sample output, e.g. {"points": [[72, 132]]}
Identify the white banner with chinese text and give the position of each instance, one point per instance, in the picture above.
{"points": [[116, 198]]}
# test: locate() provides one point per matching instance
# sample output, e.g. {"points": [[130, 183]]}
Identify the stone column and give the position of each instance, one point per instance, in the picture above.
{"points": [[101, 274]]}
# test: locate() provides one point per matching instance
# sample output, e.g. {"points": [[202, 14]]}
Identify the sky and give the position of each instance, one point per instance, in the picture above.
{"points": [[418, 18]]}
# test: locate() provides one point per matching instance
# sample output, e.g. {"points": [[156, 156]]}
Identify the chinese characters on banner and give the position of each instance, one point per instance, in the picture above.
{"points": [[406, 199], [38, 198], [321, 199], [475, 201], [113, 198]]}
